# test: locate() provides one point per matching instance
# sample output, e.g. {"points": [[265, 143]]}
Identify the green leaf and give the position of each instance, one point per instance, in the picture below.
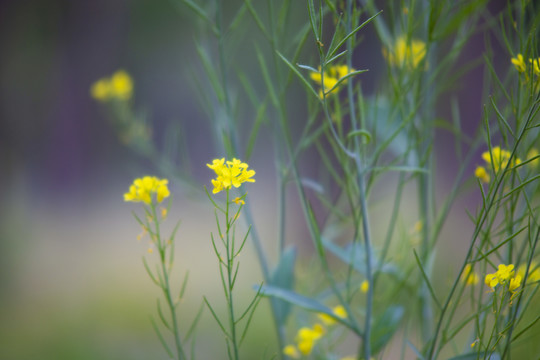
{"points": [[301, 301], [354, 254], [283, 277], [297, 73], [333, 52], [385, 326]]}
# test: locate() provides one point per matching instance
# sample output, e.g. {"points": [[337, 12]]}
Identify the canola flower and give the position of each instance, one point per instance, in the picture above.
{"points": [[117, 87], [531, 154], [230, 173], [405, 54], [534, 272], [364, 286], [338, 311], [504, 276], [332, 75], [306, 339], [519, 63], [521, 66], [142, 189], [469, 276], [496, 160]]}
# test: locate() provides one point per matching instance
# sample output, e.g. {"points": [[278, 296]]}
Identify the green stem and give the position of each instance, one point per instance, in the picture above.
{"points": [[362, 189], [230, 270], [166, 286]]}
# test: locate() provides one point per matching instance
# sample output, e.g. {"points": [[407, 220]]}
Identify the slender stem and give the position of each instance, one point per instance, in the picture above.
{"points": [[362, 190], [230, 270], [166, 286]]}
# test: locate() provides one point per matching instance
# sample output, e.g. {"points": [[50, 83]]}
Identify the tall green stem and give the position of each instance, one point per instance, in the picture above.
{"points": [[166, 287], [230, 269], [362, 193]]}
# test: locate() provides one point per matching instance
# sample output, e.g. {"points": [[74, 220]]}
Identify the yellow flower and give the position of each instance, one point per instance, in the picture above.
{"points": [[164, 212], [505, 272], [143, 188], [364, 287], [534, 272], [291, 351], [496, 160], [238, 201], [491, 280], [406, 54], [100, 90], [536, 66], [119, 86], [338, 311], [482, 174], [331, 77], [532, 154], [519, 63], [515, 283], [230, 173], [306, 338], [503, 275], [469, 276]]}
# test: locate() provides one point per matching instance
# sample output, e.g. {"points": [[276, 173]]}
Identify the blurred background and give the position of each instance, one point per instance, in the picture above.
{"points": [[72, 284]]}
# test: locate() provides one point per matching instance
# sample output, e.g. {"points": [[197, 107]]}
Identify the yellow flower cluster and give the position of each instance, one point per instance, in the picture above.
{"points": [[143, 188], [332, 75], [406, 54], [469, 277], [504, 275], [307, 338], [118, 87], [230, 173], [521, 66], [496, 160]]}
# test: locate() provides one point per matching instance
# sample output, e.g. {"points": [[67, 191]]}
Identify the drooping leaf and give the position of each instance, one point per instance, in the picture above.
{"points": [[385, 326], [283, 277]]}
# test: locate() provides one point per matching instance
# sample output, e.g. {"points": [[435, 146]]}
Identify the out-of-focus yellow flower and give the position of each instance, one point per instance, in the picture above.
{"points": [[100, 90], [306, 338], [291, 351], [534, 272], [482, 174], [406, 54], [338, 311], [364, 286], [519, 63], [143, 188], [121, 85], [496, 160], [536, 66], [331, 77], [118, 87], [164, 212], [238, 201], [230, 173], [532, 154], [469, 277]]}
